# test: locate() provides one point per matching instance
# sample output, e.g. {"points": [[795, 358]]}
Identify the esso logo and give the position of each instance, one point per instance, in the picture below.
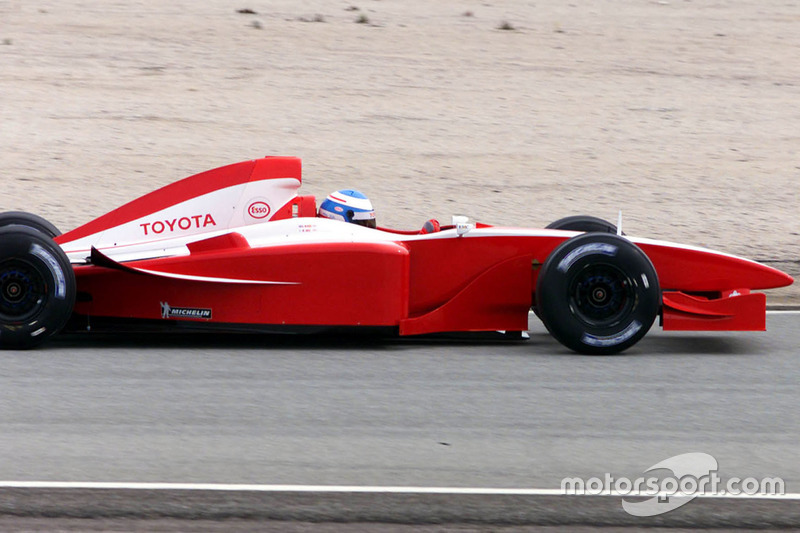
{"points": [[258, 210]]}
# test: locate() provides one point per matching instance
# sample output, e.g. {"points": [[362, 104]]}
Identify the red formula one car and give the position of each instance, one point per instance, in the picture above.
{"points": [[238, 249]]}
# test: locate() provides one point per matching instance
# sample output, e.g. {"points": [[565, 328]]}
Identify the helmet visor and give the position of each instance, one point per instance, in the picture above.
{"points": [[371, 223], [364, 218]]}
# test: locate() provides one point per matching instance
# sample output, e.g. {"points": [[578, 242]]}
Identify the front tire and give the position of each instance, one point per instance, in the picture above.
{"points": [[37, 287], [585, 223], [598, 294]]}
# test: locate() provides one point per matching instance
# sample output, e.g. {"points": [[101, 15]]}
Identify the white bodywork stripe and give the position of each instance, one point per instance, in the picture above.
{"points": [[213, 279], [316, 230]]}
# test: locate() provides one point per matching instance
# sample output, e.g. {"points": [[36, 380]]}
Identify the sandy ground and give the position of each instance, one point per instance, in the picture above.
{"points": [[682, 113]]}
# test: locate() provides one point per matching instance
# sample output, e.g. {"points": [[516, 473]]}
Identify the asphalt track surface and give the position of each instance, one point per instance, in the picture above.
{"points": [[281, 410]]}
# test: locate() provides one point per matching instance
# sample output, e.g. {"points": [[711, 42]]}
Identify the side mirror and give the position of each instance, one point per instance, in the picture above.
{"points": [[462, 224]]}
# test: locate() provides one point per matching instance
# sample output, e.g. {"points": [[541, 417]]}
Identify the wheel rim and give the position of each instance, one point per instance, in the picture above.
{"points": [[23, 291], [601, 295]]}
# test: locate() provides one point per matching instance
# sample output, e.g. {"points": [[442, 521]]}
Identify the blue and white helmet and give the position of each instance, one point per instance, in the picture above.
{"points": [[349, 205]]}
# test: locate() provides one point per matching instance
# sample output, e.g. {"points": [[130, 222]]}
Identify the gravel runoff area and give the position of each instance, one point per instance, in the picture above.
{"points": [[681, 114]]}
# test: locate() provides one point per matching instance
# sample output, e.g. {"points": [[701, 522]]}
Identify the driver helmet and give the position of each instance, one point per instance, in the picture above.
{"points": [[349, 205]]}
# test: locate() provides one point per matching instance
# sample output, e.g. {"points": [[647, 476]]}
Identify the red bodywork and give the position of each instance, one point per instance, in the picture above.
{"points": [[292, 269]]}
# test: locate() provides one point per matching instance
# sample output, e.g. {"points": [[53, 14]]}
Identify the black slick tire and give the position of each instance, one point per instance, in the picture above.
{"points": [[585, 223], [598, 293], [37, 287], [29, 220]]}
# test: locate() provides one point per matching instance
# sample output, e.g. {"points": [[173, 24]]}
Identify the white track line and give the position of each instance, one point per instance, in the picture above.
{"points": [[346, 489]]}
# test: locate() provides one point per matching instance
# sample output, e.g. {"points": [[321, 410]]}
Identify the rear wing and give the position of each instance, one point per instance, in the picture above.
{"points": [[250, 192]]}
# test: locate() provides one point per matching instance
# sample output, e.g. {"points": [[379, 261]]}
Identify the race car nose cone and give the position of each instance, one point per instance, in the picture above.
{"points": [[779, 278]]}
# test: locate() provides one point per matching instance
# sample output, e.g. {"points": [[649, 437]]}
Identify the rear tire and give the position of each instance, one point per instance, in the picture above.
{"points": [[20, 218], [37, 287], [598, 294], [585, 223]]}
